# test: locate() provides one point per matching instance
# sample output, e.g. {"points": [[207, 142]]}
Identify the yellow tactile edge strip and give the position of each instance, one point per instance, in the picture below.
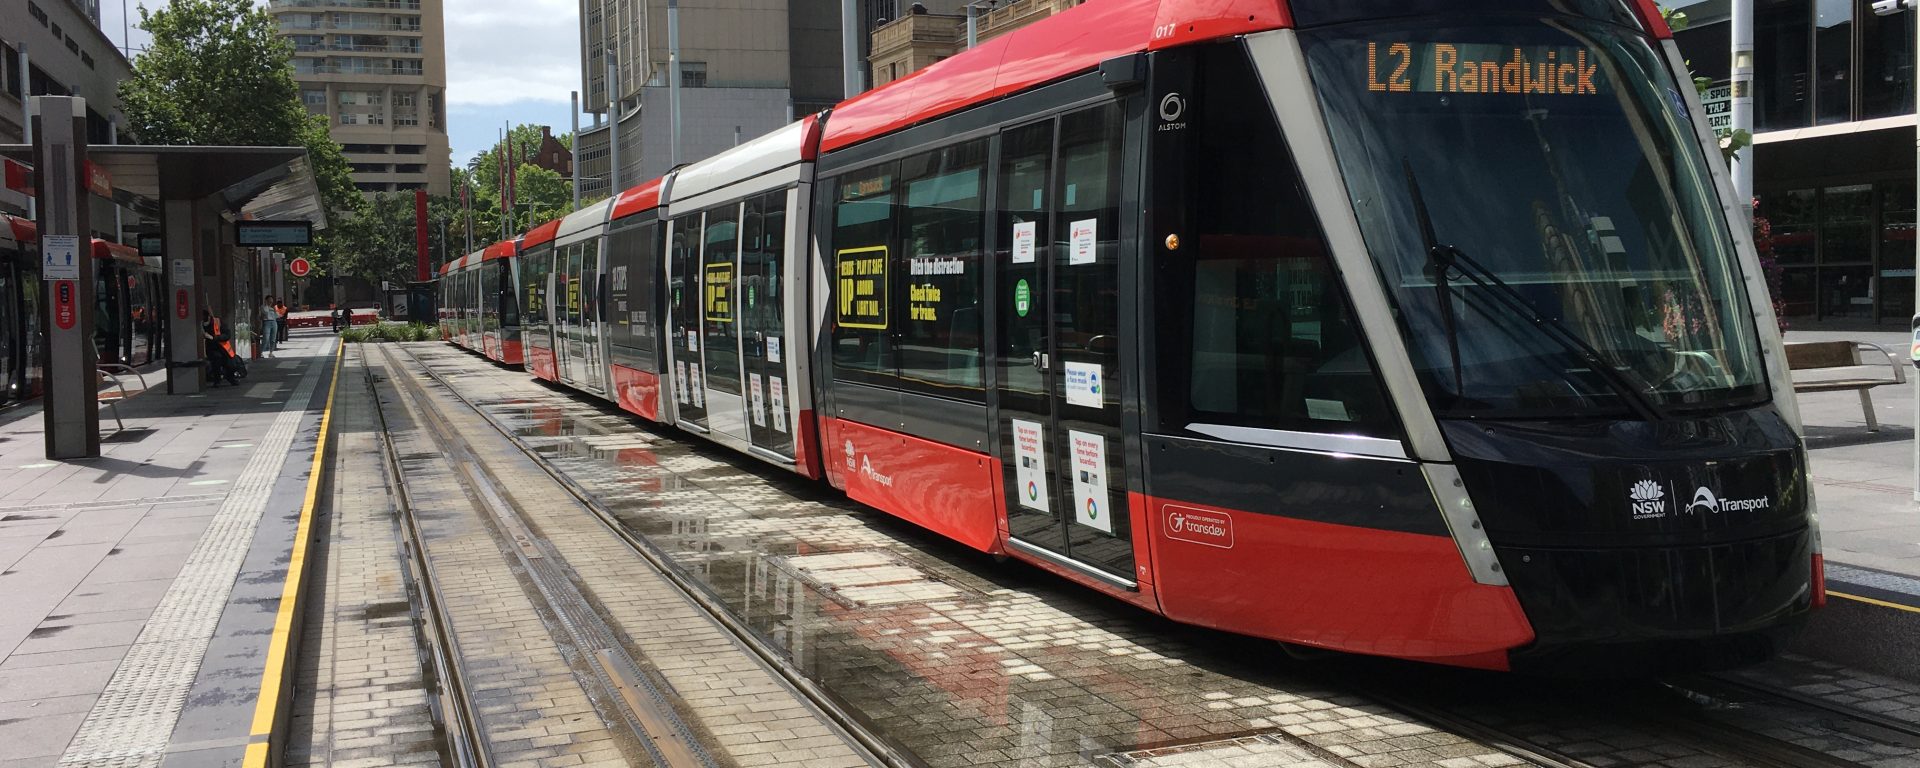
{"points": [[269, 707]]}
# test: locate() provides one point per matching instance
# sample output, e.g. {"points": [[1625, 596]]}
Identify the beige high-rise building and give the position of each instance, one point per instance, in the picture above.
{"points": [[378, 70]]}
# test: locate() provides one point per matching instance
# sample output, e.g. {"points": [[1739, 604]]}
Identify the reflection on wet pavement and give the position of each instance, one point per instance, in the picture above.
{"points": [[955, 658]]}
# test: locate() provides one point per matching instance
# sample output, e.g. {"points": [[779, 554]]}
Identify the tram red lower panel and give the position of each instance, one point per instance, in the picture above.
{"points": [[637, 391], [1360, 590], [541, 363], [490, 345], [944, 489], [511, 353]]}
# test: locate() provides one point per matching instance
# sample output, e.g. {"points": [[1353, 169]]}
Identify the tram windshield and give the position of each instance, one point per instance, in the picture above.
{"points": [[1534, 199]]}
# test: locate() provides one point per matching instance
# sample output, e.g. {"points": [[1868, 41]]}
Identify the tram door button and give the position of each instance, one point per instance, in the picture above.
{"points": [[1040, 361]]}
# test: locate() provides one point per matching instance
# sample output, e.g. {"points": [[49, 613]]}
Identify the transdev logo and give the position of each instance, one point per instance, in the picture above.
{"points": [[1093, 509], [1199, 526], [1033, 490]]}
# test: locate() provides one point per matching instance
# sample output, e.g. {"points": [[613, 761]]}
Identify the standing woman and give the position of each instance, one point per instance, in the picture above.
{"points": [[269, 330]]}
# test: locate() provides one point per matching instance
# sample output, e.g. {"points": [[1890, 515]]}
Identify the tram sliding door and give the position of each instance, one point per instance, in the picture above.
{"points": [[1058, 342], [720, 333], [683, 321], [762, 312]]}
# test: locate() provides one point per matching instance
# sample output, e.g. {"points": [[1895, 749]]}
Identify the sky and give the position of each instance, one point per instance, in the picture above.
{"points": [[508, 61]]}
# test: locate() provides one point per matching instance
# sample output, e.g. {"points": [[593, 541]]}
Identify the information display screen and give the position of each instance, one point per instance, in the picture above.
{"points": [[262, 234], [1482, 68]]}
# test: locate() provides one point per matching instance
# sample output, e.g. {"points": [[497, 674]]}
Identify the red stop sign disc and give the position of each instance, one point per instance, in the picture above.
{"points": [[299, 267]]}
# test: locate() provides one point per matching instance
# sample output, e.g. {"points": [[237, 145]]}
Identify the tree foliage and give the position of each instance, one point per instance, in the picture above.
{"points": [[217, 74], [378, 243], [540, 195]]}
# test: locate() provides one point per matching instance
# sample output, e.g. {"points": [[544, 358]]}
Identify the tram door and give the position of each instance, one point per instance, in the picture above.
{"points": [[719, 326], [683, 321], [1057, 345], [763, 327]]}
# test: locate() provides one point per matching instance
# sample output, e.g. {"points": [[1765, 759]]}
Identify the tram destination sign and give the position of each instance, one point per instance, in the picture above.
{"points": [[1482, 68], [266, 234]]}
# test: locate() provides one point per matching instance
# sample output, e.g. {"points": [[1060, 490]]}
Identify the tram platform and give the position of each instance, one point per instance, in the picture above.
{"points": [[142, 619]]}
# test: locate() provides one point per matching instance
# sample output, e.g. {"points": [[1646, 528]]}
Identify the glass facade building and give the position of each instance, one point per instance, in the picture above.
{"points": [[1834, 148]]}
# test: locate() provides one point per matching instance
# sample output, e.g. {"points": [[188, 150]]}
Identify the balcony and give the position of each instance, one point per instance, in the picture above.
{"points": [[291, 26], [411, 50]]}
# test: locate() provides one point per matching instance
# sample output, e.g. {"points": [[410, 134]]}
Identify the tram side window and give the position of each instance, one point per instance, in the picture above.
{"points": [[509, 298], [630, 263], [939, 261], [1256, 329], [863, 348]]}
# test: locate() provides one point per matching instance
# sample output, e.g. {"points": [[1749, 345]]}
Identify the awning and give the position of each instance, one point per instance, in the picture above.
{"points": [[256, 182]]}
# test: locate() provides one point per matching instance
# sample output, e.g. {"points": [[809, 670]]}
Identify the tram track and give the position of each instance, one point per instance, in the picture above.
{"points": [[1686, 731], [669, 741]]}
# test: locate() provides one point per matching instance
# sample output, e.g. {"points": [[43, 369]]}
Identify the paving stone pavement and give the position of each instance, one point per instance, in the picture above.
{"points": [[999, 668], [360, 696]]}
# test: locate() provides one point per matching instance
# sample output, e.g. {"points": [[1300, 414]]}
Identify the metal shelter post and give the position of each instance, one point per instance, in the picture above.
{"points": [[185, 360], [72, 415]]}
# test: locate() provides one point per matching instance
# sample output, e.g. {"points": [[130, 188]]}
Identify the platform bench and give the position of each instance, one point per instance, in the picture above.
{"points": [[1844, 354]]}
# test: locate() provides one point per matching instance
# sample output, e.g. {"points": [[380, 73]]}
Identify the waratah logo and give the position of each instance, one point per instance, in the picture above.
{"points": [[1649, 500], [1647, 490]]}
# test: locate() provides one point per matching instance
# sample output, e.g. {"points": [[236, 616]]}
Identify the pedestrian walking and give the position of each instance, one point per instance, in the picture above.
{"points": [[220, 360], [269, 327]]}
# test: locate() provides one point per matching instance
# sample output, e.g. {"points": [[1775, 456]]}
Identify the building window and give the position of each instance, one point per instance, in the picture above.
{"points": [[1782, 44], [403, 98], [693, 74], [39, 15], [406, 118], [349, 118], [1833, 60], [1886, 64], [314, 97], [407, 67]]}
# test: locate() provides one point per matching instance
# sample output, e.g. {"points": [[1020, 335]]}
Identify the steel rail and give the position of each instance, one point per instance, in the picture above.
{"points": [[877, 748], [639, 704], [453, 710]]}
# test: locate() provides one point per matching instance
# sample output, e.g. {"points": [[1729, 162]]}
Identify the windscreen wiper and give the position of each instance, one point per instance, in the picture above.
{"points": [[1446, 259]]}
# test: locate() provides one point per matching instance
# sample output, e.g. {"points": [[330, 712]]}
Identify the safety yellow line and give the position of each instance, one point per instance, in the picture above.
{"points": [[267, 709], [1871, 601]]}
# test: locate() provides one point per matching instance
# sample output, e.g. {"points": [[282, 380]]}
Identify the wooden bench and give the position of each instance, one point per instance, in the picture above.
{"points": [[1819, 355]]}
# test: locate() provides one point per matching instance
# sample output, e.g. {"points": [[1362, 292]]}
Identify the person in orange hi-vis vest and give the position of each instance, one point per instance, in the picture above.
{"points": [[219, 349]]}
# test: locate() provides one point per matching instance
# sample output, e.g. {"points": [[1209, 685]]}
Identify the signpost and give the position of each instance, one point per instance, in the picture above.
{"points": [[71, 413], [268, 234], [299, 267]]}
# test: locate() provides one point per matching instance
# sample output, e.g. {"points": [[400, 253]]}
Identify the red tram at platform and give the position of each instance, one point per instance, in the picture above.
{"points": [[1426, 329]]}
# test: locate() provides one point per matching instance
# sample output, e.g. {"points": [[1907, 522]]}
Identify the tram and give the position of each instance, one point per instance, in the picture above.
{"points": [[21, 375], [129, 299], [479, 303], [1424, 329]]}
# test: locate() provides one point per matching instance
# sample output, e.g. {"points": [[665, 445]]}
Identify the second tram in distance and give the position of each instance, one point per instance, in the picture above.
{"points": [[1424, 329]]}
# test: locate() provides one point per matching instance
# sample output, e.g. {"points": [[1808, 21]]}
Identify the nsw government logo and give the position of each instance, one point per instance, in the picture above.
{"points": [[1649, 500]]}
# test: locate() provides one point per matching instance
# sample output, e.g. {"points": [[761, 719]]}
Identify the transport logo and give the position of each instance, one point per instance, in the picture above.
{"points": [[1199, 526], [1705, 500], [1173, 106], [848, 448], [1033, 490], [1093, 509], [1649, 500]]}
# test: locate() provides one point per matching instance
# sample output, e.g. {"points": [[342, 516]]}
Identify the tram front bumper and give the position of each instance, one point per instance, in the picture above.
{"points": [[1640, 611]]}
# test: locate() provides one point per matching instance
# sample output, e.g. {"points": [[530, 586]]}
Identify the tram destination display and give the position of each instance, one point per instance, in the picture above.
{"points": [[1481, 68]]}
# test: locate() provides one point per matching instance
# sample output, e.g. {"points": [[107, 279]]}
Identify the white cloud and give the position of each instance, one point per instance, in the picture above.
{"points": [[505, 51]]}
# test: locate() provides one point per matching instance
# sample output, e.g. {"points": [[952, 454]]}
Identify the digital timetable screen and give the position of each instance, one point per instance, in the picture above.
{"points": [[1482, 68]]}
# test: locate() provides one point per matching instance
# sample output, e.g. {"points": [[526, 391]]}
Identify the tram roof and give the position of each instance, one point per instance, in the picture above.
{"points": [[20, 229], [640, 199], [500, 250], [581, 223], [103, 249], [540, 235], [788, 145], [1072, 41]]}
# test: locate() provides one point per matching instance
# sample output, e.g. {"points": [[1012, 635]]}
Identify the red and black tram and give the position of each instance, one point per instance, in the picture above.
{"points": [[21, 374], [1425, 329], [479, 305]]}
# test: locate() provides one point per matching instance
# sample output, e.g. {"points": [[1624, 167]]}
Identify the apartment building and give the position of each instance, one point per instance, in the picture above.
{"points": [[905, 40], [378, 70], [747, 67], [65, 54]]}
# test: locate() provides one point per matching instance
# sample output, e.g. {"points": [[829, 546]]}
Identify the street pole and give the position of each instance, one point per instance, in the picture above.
{"points": [[673, 81], [973, 35], [26, 92], [1742, 103], [613, 127], [576, 146], [850, 47]]}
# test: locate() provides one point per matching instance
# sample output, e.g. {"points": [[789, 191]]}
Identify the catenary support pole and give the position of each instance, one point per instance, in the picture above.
{"points": [[850, 47], [613, 127], [673, 81], [575, 154], [1742, 102], [185, 362], [973, 34], [71, 414], [33, 209]]}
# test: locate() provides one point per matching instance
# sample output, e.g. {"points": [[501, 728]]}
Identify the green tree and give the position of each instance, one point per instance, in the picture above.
{"points": [[378, 244], [540, 195], [217, 74]]}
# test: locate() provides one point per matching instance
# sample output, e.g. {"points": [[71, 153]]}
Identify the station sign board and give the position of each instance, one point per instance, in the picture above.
{"points": [[299, 267], [152, 245], [266, 234]]}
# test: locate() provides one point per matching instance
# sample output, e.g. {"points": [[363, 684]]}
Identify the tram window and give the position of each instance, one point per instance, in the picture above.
{"points": [[630, 286], [1255, 328], [939, 262], [863, 348], [509, 299]]}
